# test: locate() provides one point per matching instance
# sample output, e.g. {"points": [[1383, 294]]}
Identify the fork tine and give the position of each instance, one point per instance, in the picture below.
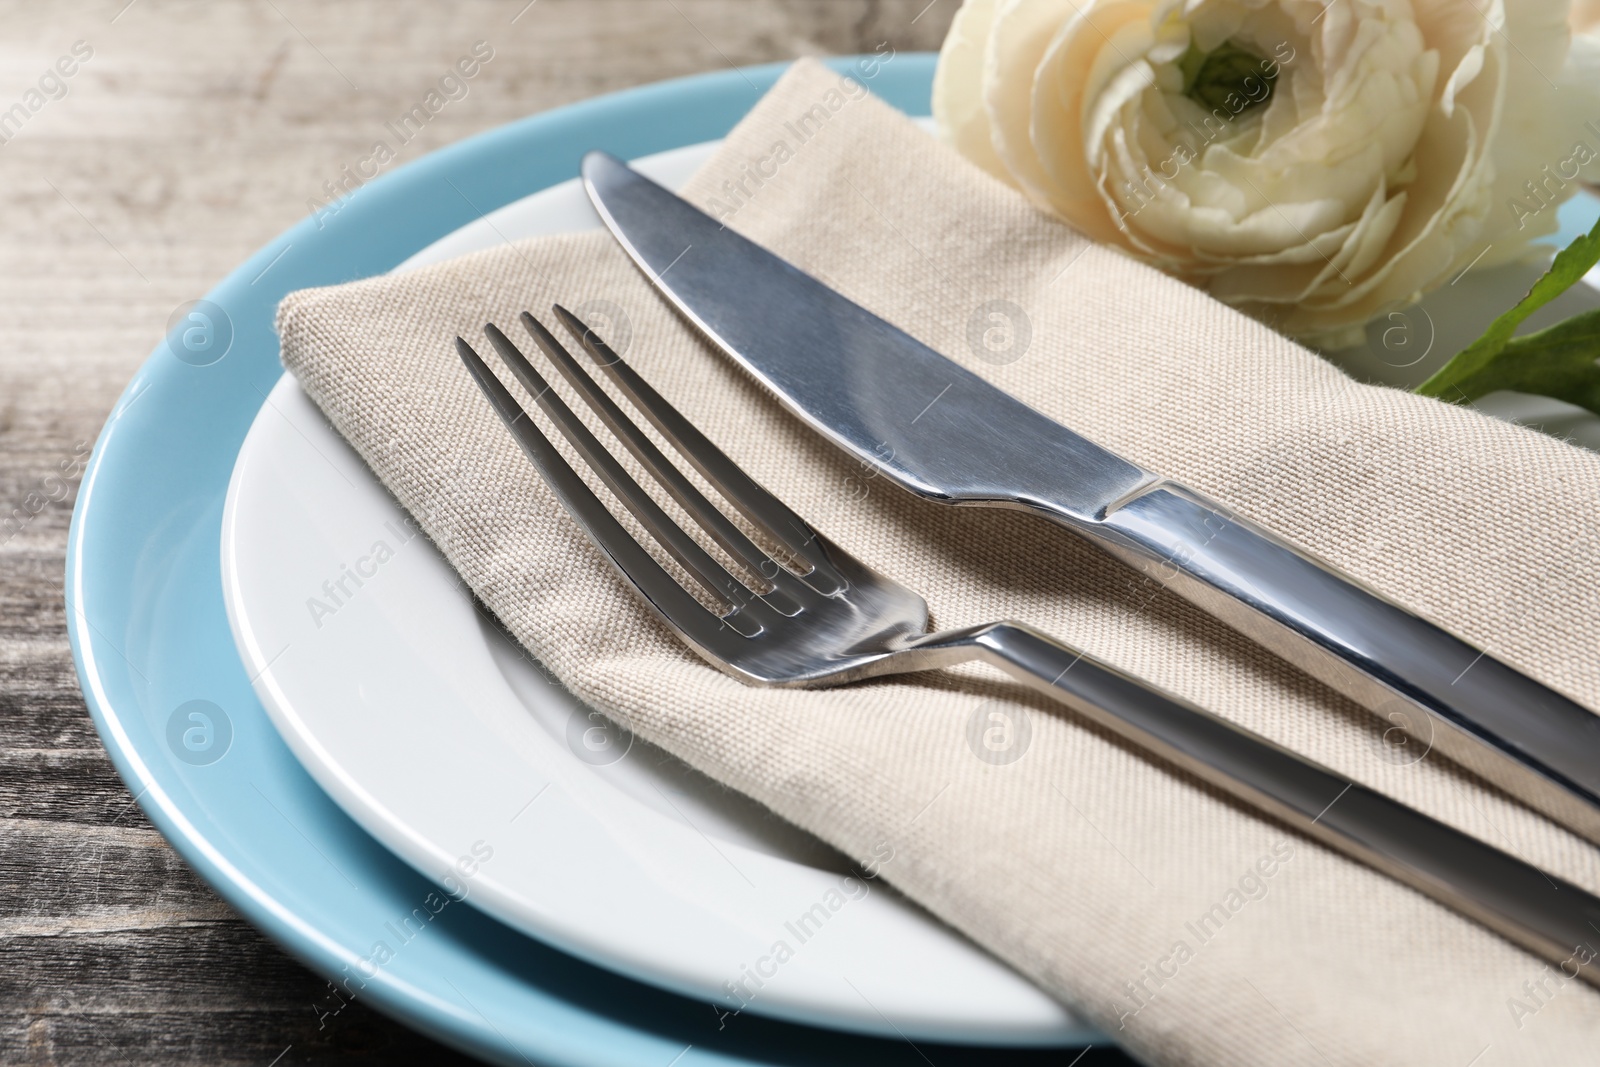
{"points": [[742, 491], [699, 563], [660, 589], [703, 511]]}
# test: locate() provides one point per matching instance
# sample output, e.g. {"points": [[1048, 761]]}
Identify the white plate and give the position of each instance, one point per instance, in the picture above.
{"points": [[438, 735]]}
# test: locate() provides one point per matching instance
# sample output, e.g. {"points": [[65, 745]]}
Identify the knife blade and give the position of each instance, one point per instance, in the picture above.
{"points": [[944, 433]]}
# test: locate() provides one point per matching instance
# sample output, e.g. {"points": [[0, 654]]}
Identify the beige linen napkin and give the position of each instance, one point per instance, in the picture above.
{"points": [[1193, 930]]}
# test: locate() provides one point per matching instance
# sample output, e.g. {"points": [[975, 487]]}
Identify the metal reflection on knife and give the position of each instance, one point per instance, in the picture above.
{"points": [[864, 384]]}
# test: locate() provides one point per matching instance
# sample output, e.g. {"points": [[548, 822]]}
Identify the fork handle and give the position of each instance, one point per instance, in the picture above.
{"points": [[1555, 920]]}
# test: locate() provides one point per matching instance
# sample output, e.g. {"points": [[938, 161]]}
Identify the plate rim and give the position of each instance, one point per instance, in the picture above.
{"points": [[631, 122], [362, 797]]}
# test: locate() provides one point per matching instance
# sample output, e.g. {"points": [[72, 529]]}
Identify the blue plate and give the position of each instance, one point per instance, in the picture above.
{"points": [[177, 713]]}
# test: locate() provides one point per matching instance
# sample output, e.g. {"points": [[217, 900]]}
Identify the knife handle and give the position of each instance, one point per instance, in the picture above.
{"points": [[1552, 918], [1533, 742]]}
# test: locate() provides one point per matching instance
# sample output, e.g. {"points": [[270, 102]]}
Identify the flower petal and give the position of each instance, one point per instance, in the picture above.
{"points": [[958, 111]]}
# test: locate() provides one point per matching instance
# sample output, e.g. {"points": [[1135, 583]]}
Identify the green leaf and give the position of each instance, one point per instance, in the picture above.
{"points": [[1558, 361]]}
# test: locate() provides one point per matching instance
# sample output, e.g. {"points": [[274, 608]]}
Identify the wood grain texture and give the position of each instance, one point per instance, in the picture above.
{"points": [[192, 135]]}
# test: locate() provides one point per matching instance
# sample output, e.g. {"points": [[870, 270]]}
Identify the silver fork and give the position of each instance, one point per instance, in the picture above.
{"points": [[817, 616]]}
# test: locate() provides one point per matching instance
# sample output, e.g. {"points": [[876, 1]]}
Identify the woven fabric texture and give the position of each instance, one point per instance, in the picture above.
{"points": [[1195, 931]]}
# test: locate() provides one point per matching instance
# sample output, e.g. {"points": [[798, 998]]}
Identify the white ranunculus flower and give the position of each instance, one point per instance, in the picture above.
{"points": [[1313, 162]]}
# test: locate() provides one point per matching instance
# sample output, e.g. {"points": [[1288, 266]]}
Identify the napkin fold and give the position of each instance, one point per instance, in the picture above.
{"points": [[1180, 922]]}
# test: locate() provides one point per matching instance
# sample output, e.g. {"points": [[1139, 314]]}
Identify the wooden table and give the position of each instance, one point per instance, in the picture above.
{"points": [[186, 136]]}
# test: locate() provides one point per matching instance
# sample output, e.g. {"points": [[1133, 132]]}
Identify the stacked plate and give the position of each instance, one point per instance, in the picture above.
{"points": [[328, 728], [409, 803]]}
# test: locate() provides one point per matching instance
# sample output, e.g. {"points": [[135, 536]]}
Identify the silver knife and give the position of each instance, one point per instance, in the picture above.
{"points": [[945, 434]]}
